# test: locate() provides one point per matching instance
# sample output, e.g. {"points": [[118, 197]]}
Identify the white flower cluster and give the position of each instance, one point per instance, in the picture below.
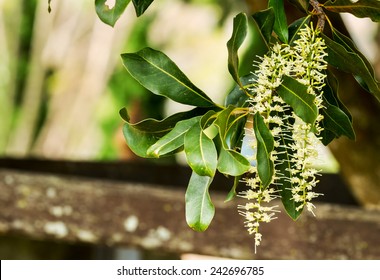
{"points": [[303, 61], [255, 212], [309, 63]]}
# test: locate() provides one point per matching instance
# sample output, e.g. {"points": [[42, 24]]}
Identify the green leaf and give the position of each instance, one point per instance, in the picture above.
{"points": [[265, 145], [201, 154], [359, 8], [156, 72], [349, 45], [141, 6], [336, 121], [237, 97], [230, 162], [349, 61], [265, 22], [110, 15], [284, 154], [284, 167], [232, 193], [296, 26], [295, 94], [280, 23], [173, 140], [236, 131], [327, 136], [207, 124], [140, 136], [139, 141], [199, 208], [330, 92], [211, 131], [223, 120], [239, 32], [302, 5]]}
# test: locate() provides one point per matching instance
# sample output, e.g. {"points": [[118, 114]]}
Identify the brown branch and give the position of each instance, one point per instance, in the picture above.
{"points": [[318, 11]]}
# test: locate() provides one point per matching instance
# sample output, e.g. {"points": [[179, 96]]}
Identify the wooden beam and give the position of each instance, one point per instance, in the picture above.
{"points": [[72, 209]]}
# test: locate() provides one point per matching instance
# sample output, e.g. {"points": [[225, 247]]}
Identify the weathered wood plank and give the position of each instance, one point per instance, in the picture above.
{"points": [[73, 209], [164, 174]]}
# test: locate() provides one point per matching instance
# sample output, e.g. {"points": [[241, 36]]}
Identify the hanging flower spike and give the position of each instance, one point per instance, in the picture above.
{"points": [[268, 78], [310, 65], [304, 62]]}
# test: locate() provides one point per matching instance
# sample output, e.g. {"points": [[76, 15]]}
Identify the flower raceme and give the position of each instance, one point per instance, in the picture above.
{"points": [[303, 61]]}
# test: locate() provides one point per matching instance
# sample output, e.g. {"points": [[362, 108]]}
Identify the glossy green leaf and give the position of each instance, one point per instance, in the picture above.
{"points": [[327, 136], [302, 5], [172, 140], [284, 167], [139, 141], [239, 32], [349, 45], [296, 26], [198, 205], [230, 162], [156, 72], [336, 121], [330, 92], [141, 6], [265, 145], [224, 118], [349, 61], [110, 15], [201, 154], [280, 23], [207, 124], [211, 131], [265, 22], [295, 94], [236, 131], [237, 97], [232, 193], [359, 8], [284, 154], [227, 122], [140, 136]]}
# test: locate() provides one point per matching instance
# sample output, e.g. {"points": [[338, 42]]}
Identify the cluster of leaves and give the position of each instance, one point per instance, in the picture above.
{"points": [[211, 134]]}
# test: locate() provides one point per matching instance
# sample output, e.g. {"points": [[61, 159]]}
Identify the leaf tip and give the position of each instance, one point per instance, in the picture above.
{"points": [[230, 197], [124, 114], [198, 227], [153, 153]]}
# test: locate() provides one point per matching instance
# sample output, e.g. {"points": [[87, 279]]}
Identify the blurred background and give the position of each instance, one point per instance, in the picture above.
{"points": [[62, 84]]}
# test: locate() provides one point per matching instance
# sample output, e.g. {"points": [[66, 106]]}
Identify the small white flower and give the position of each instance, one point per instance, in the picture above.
{"points": [[310, 207]]}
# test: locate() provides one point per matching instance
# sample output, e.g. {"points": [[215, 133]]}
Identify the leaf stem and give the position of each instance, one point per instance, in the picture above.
{"points": [[240, 111]]}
